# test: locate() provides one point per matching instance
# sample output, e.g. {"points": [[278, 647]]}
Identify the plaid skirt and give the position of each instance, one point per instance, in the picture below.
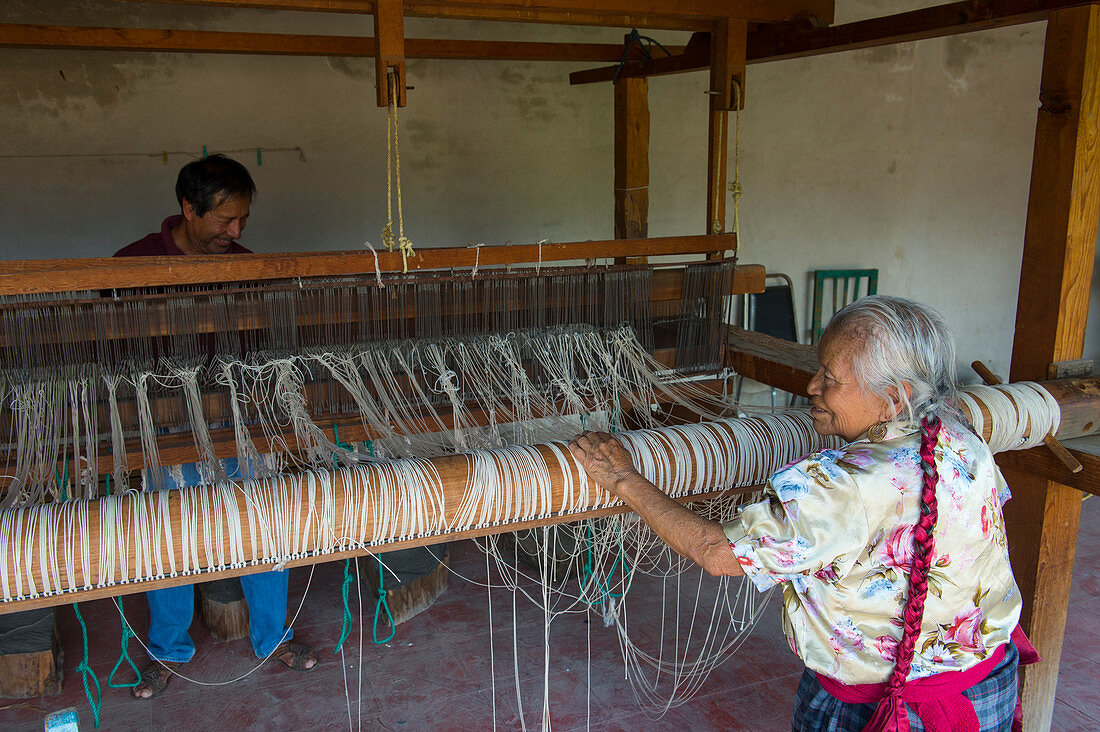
{"points": [[816, 710]]}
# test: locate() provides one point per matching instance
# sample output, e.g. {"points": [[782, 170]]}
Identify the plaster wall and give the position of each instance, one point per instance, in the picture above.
{"points": [[913, 159]]}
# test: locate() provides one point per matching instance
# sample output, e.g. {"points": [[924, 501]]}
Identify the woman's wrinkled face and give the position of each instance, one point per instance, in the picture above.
{"points": [[840, 406]]}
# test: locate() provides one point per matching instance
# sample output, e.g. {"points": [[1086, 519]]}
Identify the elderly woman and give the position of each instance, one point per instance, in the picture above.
{"points": [[897, 590]]}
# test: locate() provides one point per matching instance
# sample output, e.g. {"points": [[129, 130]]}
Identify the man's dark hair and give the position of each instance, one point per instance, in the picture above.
{"points": [[207, 182]]}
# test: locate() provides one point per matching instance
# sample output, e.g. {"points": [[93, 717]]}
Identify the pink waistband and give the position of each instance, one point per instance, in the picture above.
{"points": [[938, 700]]}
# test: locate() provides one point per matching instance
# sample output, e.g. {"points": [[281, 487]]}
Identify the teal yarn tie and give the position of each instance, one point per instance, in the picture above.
{"points": [[346, 630], [380, 605], [63, 480], [603, 586], [85, 671], [344, 445], [127, 634]]}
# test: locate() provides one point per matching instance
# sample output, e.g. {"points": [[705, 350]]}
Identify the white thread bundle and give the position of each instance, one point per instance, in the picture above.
{"points": [[1021, 414]]}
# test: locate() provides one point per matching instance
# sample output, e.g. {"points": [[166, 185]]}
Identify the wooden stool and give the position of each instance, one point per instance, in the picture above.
{"points": [[31, 660], [529, 548], [223, 608], [414, 594]]}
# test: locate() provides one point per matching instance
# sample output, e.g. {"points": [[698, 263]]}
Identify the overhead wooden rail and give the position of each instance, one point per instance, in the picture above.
{"points": [[89, 38], [667, 14], [779, 41]]}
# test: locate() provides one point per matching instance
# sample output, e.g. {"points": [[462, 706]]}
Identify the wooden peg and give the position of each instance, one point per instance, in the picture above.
{"points": [[1072, 464]]}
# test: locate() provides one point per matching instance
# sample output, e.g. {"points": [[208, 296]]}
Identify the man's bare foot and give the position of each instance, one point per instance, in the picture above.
{"points": [[296, 656]]}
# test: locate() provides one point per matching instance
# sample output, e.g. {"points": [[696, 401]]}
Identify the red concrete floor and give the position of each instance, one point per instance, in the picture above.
{"points": [[436, 673]]}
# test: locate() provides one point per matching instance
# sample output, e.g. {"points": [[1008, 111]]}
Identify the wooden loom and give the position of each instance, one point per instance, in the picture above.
{"points": [[1059, 245]]}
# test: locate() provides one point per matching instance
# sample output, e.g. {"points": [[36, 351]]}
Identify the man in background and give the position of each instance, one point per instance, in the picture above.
{"points": [[215, 194]]}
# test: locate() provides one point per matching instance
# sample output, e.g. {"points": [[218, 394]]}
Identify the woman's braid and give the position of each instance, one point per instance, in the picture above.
{"points": [[923, 549]]}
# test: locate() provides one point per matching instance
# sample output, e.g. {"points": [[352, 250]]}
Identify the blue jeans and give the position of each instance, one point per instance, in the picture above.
{"points": [[171, 609]]}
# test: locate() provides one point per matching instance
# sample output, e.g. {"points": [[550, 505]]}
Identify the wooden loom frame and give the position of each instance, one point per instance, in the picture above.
{"points": [[1059, 245]]}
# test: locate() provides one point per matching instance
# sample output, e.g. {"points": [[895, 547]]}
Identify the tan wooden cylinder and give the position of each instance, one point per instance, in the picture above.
{"points": [[357, 497]]}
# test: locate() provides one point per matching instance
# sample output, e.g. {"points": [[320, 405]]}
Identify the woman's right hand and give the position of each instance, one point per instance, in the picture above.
{"points": [[603, 458]]}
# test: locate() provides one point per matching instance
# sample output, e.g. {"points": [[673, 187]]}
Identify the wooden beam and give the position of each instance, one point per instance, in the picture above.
{"points": [[631, 159], [670, 14], [773, 361], [121, 590], [727, 66], [1051, 313], [87, 38], [64, 275], [389, 64], [777, 42], [364, 510], [1041, 463]]}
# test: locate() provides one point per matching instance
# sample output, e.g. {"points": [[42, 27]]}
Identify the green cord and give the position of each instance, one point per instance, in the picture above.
{"points": [[63, 483], [346, 630], [383, 604], [603, 585], [127, 634], [345, 445], [86, 671]]}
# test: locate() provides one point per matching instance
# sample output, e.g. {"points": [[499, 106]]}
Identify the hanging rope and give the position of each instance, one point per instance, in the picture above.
{"points": [[383, 605], [346, 629], [127, 634], [735, 186], [393, 180], [85, 671]]}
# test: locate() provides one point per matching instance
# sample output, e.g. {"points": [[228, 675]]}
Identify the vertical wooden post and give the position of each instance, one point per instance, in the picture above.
{"points": [[1051, 312], [727, 72], [389, 34], [631, 158]]}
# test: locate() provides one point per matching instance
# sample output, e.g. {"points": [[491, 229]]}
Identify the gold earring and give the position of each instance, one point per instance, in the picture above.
{"points": [[877, 432]]}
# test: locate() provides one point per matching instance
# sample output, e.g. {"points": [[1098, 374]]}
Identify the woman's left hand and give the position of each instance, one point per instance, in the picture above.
{"points": [[604, 458]]}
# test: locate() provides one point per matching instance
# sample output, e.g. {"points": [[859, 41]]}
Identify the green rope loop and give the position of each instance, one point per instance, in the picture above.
{"points": [[85, 671], [383, 604], [127, 634], [63, 482], [603, 585], [346, 630]]}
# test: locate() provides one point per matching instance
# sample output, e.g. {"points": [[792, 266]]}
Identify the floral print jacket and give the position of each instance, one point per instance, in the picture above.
{"points": [[836, 529]]}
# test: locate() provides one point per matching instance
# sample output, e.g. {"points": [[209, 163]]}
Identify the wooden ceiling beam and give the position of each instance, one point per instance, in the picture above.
{"points": [[777, 42], [798, 40], [13, 35], [669, 14]]}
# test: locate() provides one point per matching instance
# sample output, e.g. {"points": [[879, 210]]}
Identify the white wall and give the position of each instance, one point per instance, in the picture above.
{"points": [[913, 159]]}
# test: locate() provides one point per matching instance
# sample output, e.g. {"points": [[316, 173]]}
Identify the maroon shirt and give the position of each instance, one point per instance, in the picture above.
{"points": [[161, 245]]}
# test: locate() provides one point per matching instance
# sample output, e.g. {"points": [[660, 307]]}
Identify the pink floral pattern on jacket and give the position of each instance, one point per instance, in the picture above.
{"points": [[835, 529]]}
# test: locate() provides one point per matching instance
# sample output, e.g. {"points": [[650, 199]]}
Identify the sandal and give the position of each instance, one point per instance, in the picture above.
{"points": [[154, 677], [299, 656]]}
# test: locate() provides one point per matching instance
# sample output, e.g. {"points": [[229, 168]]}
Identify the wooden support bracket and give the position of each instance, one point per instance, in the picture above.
{"points": [[727, 71], [389, 33], [727, 64]]}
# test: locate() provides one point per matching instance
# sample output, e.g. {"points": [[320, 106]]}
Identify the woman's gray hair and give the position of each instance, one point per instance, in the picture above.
{"points": [[902, 342]]}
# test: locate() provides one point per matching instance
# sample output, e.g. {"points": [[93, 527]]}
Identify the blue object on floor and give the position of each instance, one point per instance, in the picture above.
{"points": [[64, 720]]}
